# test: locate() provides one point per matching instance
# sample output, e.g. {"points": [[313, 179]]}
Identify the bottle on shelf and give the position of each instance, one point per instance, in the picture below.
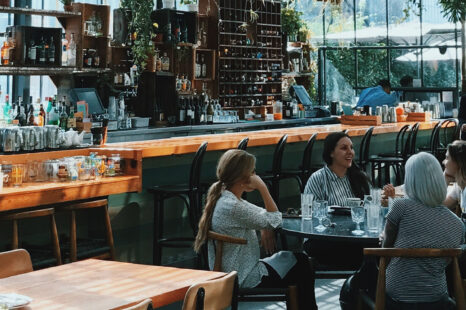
{"points": [[64, 52], [32, 53], [63, 119], [210, 112], [158, 61], [11, 47], [42, 115], [41, 52], [51, 52], [71, 52], [5, 54], [197, 71], [181, 112], [165, 62]]}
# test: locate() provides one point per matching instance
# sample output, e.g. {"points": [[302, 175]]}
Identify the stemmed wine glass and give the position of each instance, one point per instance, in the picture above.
{"points": [[319, 208], [357, 214]]}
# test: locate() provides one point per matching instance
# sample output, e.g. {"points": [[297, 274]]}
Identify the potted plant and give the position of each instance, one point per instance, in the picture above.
{"points": [[142, 29], [192, 5], [291, 22], [67, 4]]}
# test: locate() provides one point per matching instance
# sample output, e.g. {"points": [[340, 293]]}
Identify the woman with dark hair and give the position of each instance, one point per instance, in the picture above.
{"points": [[341, 177], [462, 117], [455, 171]]}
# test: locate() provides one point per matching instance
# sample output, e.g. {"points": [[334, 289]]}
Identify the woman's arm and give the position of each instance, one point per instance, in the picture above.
{"points": [[389, 235], [257, 183]]}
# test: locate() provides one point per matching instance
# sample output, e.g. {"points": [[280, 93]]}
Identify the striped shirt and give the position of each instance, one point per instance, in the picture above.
{"points": [[419, 226], [324, 184], [239, 218]]}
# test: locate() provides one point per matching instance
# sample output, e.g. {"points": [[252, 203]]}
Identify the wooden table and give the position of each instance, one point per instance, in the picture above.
{"points": [[96, 284]]}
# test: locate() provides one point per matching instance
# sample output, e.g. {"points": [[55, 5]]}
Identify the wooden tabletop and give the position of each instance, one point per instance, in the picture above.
{"points": [[95, 284], [185, 145]]}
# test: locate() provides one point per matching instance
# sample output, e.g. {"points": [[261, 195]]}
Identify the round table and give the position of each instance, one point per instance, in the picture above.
{"points": [[339, 231]]}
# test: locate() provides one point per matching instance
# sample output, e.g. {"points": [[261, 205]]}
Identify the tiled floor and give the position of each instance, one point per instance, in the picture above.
{"points": [[327, 294]]}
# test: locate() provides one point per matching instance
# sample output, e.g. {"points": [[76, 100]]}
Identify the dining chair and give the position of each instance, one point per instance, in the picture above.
{"points": [[214, 294], [14, 262], [146, 304], [386, 254], [288, 294]]}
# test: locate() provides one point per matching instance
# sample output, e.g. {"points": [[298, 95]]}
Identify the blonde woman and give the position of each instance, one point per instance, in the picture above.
{"points": [[227, 213]]}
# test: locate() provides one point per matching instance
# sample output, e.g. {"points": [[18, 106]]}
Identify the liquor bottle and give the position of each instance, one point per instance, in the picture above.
{"points": [[71, 119], [11, 47], [197, 112], [165, 62], [197, 72], [51, 52], [210, 113], [72, 52], [22, 116], [181, 112], [203, 67], [63, 117], [177, 31], [6, 109], [41, 51], [64, 53], [5, 54], [32, 53], [42, 116]]}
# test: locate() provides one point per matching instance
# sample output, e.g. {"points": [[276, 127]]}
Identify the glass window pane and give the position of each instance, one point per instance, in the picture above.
{"points": [[340, 76], [372, 67], [403, 29], [439, 67], [404, 62], [339, 24], [312, 14], [371, 21]]}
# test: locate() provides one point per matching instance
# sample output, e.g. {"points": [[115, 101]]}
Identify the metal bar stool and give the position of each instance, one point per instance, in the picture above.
{"points": [[243, 144], [190, 194], [364, 148], [81, 248], [304, 171], [40, 257]]}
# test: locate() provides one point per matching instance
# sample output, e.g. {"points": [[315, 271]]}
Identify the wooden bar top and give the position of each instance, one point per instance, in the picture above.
{"points": [[96, 284], [185, 145]]}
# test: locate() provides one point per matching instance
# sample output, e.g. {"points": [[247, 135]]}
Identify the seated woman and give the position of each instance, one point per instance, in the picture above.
{"points": [[227, 213], [340, 179], [455, 171], [420, 221]]}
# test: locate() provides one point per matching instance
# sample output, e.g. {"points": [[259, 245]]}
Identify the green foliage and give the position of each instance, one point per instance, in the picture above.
{"points": [[188, 1], [66, 2], [291, 21], [453, 10], [140, 25]]}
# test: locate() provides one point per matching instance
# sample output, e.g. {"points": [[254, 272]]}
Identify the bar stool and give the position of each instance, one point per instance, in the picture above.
{"points": [[190, 194], [364, 148], [407, 149], [40, 257], [304, 171], [81, 248], [243, 144], [272, 178], [441, 138]]}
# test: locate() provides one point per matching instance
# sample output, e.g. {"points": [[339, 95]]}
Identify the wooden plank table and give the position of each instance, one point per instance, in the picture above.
{"points": [[96, 284]]}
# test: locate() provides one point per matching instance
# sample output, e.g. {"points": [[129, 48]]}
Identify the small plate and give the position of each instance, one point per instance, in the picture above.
{"points": [[14, 301]]}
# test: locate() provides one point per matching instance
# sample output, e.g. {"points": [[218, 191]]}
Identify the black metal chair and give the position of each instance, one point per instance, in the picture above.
{"points": [[399, 142], [272, 178], [364, 148], [406, 149], [304, 171], [243, 144], [190, 194], [442, 138]]}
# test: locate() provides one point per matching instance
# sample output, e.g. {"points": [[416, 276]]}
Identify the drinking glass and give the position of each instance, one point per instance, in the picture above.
{"points": [[373, 217], [376, 194], [17, 175], [319, 210], [357, 214], [306, 206]]}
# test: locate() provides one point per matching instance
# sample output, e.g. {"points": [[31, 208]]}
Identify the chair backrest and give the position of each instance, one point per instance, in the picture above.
{"points": [[444, 139], [386, 253], [195, 172], [364, 147], [434, 137], [400, 141], [214, 294], [278, 155], [14, 262], [219, 240], [143, 305], [243, 144], [306, 164], [413, 139]]}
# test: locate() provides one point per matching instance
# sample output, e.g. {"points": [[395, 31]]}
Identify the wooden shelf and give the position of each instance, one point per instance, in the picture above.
{"points": [[7, 70], [249, 95], [248, 107], [251, 46], [203, 79], [26, 11], [296, 74], [246, 58], [250, 83]]}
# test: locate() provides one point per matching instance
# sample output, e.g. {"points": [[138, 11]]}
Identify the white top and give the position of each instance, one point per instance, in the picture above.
{"points": [[239, 218], [459, 195]]}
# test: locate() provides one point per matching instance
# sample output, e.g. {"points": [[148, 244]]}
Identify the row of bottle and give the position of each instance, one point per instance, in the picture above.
{"points": [[160, 63], [197, 110], [201, 67], [33, 114], [227, 64]]}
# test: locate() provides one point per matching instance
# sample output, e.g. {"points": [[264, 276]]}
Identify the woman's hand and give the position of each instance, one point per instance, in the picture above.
{"points": [[268, 241], [388, 191], [255, 182], [449, 178]]}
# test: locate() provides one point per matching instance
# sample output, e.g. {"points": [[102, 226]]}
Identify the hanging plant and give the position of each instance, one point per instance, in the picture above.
{"points": [[141, 29], [291, 21]]}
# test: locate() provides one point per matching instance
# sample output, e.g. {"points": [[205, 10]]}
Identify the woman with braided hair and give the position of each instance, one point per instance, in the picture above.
{"points": [[225, 212]]}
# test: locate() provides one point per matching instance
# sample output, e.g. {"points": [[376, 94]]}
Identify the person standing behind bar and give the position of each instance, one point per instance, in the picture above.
{"points": [[378, 96], [225, 212]]}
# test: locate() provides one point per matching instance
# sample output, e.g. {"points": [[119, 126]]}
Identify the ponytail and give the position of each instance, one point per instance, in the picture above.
{"points": [[213, 195]]}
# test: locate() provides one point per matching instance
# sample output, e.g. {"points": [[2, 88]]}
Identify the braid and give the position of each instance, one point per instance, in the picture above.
{"points": [[213, 195]]}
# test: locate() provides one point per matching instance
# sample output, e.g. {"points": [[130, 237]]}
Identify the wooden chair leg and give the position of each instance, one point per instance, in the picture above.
{"points": [[108, 230], [457, 286], [14, 240], [73, 238], [292, 298], [55, 241]]}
